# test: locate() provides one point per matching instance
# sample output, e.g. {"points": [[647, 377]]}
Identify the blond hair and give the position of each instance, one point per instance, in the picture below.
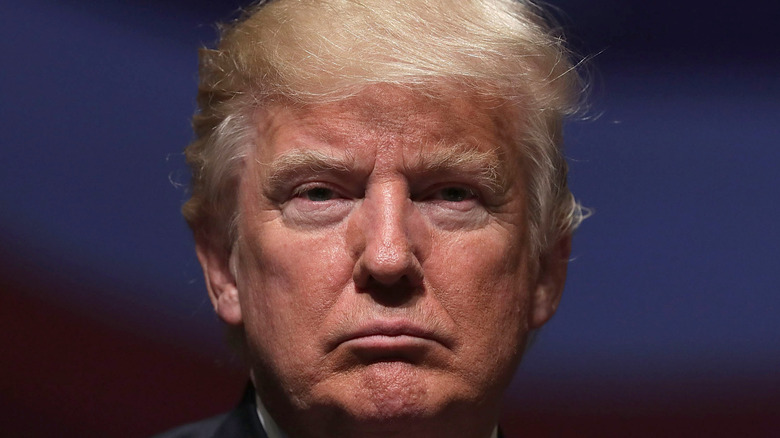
{"points": [[313, 51]]}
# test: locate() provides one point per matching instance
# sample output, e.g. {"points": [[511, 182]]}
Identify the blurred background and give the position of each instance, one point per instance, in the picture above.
{"points": [[669, 324]]}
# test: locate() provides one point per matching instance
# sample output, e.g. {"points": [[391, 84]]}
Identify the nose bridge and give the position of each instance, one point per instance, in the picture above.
{"points": [[389, 253], [387, 236]]}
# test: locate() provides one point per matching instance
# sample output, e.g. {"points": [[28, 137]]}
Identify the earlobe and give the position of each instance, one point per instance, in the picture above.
{"points": [[220, 280], [550, 281]]}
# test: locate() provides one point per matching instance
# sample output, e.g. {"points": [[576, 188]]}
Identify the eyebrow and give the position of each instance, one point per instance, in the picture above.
{"points": [[291, 163], [463, 158], [459, 159]]}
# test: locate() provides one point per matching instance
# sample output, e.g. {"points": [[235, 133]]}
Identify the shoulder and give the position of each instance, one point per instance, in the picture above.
{"points": [[240, 422]]}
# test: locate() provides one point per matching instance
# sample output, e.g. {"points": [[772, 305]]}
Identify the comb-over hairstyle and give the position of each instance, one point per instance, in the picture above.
{"points": [[315, 51]]}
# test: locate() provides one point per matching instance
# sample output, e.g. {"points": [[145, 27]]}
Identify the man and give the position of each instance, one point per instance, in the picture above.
{"points": [[380, 207]]}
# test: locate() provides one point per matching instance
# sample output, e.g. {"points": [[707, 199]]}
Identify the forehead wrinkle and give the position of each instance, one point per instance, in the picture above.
{"points": [[461, 158]]}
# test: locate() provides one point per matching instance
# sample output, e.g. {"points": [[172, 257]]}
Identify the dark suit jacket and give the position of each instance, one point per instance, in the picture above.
{"points": [[241, 422]]}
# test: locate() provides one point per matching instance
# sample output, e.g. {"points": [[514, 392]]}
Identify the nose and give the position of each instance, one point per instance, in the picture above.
{"points": [[390, 243]]}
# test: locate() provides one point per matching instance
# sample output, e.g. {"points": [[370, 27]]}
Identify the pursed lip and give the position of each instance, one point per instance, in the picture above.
{"points": [[389, 333]]}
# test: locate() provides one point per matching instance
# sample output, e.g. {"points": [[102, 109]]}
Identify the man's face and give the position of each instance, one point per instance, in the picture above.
{"points": [[382, 267]]}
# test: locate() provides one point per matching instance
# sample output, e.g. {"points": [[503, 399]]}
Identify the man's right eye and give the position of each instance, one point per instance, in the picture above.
{"points": [[316, 204], [317, 194]]}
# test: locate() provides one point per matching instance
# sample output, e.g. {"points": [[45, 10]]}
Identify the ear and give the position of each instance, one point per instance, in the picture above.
{"points": [[220, 280], [549, 282]]}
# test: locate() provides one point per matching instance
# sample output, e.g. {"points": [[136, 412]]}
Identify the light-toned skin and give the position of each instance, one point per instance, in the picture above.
{"points": [[382, 273]]}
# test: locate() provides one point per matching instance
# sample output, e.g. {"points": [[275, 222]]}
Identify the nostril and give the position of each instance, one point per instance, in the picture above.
{"points": [[397, 294]]}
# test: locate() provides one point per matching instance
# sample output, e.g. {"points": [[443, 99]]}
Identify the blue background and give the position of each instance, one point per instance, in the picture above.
{"points": [[672, 297]]}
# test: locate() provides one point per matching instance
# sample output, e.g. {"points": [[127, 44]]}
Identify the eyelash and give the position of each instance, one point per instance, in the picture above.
{"points": [[305, 190], [441, 192], [467, 192]]}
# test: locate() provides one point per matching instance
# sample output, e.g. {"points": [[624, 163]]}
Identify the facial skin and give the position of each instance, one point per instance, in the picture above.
{"points": [[382, 274]]}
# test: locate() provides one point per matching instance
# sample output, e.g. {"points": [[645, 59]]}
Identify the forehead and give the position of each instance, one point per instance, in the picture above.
{"points": [[384, 118]]}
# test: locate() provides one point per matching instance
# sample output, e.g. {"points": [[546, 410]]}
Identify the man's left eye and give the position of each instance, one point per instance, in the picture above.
{"points": [[455, 194]]}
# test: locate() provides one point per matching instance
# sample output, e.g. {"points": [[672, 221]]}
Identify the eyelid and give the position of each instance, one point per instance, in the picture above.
{"points": [[301, 189], [339, 192], [437, 189]]}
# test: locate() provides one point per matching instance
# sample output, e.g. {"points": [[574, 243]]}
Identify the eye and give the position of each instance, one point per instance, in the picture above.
{"points": [[455, 194], [316, 204], [453, 207], [317, 194]]}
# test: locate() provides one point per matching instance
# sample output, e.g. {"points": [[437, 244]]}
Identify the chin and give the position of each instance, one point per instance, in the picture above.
{"points": [[386, 392], [390, 399]]}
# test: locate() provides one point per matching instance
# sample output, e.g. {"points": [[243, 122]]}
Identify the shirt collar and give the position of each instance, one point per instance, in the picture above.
{"points": [[270, 426]]}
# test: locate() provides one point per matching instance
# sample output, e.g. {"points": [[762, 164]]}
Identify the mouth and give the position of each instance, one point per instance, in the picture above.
{"points": [[390, 340]]}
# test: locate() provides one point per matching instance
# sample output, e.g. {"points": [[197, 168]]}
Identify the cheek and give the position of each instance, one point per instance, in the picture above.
{"points": [[482, 283], [288, 282]]}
